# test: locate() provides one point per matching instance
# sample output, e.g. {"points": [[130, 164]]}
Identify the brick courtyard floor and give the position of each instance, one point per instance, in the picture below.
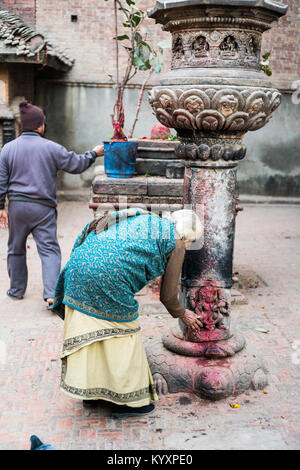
{"points": [[267, 245]]}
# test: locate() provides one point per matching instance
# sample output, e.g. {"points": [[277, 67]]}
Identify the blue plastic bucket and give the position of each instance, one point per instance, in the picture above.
{"points": [[120, 159]]}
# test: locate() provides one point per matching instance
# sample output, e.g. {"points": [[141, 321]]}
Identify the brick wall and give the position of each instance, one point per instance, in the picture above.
{"points": [[283, 41], [88, 39], [23, 8]]}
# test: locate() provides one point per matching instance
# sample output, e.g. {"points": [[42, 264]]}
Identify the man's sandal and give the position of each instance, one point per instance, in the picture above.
{"points": [[14, 297]]}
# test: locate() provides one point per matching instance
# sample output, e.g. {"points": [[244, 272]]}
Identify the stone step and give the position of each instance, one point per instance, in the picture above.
{"points": [[160, 186], [156, 149], [153, 167], [102, 184], [138, 185], [153, 153]]}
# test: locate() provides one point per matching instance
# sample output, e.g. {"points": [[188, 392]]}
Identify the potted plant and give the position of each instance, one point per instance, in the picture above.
{"points": [[119, 152]]}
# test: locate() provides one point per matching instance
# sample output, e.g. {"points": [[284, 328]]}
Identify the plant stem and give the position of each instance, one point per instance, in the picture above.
{"points": [[139, 104], [117, 43]]}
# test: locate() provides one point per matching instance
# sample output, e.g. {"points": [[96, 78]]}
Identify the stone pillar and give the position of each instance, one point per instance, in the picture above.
{"points": [[213, 95]]}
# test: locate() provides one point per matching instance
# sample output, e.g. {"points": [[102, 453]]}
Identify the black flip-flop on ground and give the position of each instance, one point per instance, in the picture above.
{"points": [[14, 297], [91, 403], [49, 305], [121, 412]]}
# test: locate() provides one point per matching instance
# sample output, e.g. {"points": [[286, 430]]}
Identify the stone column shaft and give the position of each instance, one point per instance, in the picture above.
{"points": [[214, 94]]}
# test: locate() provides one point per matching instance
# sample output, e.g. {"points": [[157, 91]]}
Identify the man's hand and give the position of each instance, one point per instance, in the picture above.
{"points": [[3, 219], [99, 149], [191, 320]]}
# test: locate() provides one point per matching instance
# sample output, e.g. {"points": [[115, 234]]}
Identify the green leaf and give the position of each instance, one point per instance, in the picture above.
{"points": [[156, 62], [121, 38], [135, 19], [173, 137], [143, 43], [261, 330], [138, 38], [140, 63], [266, 55], [143, 52], [130, 2]]}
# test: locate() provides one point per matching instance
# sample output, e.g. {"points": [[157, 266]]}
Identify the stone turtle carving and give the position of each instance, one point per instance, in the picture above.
{"points": [[207, 378]]}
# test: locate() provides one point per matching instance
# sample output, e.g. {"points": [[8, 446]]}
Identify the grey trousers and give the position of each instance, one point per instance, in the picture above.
{"points": [[25, 218]]}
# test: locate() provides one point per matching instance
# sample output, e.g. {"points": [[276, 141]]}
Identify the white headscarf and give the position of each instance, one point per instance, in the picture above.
{"points": [[187, 224]]}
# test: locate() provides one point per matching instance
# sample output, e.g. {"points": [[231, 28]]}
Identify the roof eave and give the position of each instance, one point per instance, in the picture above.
{"points": [[40, 59]]}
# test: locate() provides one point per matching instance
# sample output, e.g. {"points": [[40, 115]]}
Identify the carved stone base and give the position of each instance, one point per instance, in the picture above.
{"points": [[175, 342], [212, 379], [211, 149]]}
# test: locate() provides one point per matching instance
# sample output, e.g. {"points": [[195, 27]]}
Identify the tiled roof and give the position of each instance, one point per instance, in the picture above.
{"points": [[22, 40]]}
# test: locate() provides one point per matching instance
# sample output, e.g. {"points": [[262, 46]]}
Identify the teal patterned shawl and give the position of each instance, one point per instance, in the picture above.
{"points": [[107, 269]]}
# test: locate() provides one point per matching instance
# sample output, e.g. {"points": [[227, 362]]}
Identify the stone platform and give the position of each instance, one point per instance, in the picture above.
{"points": [[154, 157], [157, 191], [158, 181]]}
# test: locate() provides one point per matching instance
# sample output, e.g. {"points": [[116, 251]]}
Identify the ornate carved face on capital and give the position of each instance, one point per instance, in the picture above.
{"points": [[194, 104], [166, 102], [256, 106], [228, 104]]}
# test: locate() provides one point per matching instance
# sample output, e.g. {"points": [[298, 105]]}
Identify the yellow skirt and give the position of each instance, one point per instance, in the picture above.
{"points": [[105, 360]]}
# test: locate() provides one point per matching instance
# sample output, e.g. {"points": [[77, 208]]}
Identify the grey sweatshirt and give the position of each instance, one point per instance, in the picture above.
{"points": [[29, 166]]}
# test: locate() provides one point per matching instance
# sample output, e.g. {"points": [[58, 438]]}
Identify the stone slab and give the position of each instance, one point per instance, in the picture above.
{"points": [[165, 186], [105, 185], [153, 167]]}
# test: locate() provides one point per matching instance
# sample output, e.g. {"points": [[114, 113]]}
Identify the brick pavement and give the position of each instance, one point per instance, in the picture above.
{"points": [[267, 243]]}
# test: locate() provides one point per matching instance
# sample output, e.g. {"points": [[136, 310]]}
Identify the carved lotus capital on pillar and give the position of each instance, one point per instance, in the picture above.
{"points": [[214, 109], [215, 89]]}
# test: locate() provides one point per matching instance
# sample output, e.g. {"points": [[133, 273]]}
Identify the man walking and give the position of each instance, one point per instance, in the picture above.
{"points": [[28, 176]]}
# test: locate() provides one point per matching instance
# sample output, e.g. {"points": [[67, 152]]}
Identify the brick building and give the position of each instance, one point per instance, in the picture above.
{"points": [[78, 100]]}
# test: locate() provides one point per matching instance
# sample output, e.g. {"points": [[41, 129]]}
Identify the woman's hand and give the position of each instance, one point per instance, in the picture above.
{"points": [[191, 320], [3, 219]]}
